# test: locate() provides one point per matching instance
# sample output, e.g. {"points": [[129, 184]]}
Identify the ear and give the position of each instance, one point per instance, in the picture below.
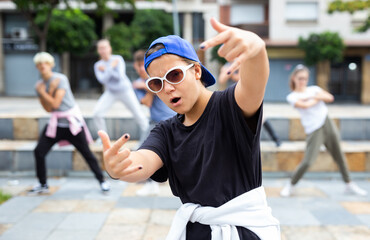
{"points": [[198, 71]]}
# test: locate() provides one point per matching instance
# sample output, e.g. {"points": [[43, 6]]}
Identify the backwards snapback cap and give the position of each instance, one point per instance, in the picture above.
{"points": [[175, 45]]}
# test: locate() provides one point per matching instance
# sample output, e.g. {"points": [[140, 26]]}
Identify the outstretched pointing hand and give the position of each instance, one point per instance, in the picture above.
{"points": [[238, 45], [117, 162]]}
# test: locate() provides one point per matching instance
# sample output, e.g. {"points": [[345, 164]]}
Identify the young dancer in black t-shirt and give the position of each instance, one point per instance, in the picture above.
{"points": [[210, 150]]}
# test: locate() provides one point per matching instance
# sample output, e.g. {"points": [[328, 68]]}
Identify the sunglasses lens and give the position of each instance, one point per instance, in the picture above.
{"points": [[175, 75], [155, 84]]}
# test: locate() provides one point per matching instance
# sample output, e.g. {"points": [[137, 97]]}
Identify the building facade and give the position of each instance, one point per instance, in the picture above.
{"points": [[279, 22], [18, 74], [282, 22]]}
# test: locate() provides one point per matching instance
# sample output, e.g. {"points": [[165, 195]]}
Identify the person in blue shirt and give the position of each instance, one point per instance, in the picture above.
{"points": [[158, 110]]}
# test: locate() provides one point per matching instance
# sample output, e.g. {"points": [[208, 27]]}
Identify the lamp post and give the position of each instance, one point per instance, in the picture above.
{"points": [[175, 16]]}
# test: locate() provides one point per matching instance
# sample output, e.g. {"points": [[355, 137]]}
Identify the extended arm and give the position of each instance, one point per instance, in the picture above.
{"points": [[147, 100], [119, 63], [49, 101], [223, 77], [126, 165], [324, 96], [306, 103], [53, 101], [148, 97], [248, 53], [104, 73]]}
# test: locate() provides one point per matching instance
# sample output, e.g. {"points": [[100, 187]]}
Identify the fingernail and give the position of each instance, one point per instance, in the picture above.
{"points": [[228, 73], [140, 167], [202, 46], [126, 136]]}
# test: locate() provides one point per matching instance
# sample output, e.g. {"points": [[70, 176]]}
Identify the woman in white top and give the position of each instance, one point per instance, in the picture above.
{"points": [[319, 128]]}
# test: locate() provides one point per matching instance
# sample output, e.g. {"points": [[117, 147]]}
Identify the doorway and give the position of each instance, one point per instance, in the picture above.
{"points": [[345, 80]]}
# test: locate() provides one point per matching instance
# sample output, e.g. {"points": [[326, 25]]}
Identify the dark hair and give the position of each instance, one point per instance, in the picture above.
{"points": [[139, 55], [154, 48], [159, 46]]}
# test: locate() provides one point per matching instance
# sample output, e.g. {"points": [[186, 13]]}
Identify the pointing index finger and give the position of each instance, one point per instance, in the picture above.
{"points": [[119, 143], [219, 27], [219, 38]]}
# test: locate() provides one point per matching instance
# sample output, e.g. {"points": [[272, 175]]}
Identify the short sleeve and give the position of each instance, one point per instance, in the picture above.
{"points": [[252, 123], [291, 99], [156, 142], [316, 89], [63, 84]]}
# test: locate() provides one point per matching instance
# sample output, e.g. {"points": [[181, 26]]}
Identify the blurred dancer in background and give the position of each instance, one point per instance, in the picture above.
{"points": [[110, 71], [66, 124], [319, 128]]}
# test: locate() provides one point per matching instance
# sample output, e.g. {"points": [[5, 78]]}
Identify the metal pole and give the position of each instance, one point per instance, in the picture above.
{"points": [[175, 16]]}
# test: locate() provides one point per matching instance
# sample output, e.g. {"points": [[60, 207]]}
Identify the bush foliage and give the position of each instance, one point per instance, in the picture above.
{"points": [[70, 31], [351, 7], [146, 26], [322, 46]]}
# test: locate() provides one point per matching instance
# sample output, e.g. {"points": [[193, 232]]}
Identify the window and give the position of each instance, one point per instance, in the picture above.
{"points": [[301, 11], [247, 14], [198, 28]]}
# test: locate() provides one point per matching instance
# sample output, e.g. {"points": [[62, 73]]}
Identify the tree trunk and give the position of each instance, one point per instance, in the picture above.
{"points": [[42, 44], [323, 74]]}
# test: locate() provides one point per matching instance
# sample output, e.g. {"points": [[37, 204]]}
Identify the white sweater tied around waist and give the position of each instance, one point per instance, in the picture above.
{"points": [[249, 210]]}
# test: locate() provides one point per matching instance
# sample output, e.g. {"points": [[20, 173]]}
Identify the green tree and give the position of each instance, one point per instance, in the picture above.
{"points": [[322, 46], [120, 37], [351, 7], [31, 8], [70, 31], [146, 26]]}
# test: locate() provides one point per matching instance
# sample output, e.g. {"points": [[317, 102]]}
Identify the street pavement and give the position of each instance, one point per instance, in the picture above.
{"points": [[76, 209]]}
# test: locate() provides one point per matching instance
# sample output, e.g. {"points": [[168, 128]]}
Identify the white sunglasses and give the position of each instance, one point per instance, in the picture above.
{"points": [[173, 76]]}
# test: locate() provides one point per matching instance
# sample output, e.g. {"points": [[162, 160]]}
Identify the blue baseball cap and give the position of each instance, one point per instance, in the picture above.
{"points": [[176, 45]]}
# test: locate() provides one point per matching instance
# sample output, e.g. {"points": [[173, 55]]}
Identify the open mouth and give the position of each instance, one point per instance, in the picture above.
{"points": [[175, 100]]}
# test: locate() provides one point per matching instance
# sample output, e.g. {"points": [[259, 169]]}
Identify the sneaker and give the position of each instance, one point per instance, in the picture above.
{"points": [[150, 188], [39, 189], [352, 188], [287, 190], [105, 186]]}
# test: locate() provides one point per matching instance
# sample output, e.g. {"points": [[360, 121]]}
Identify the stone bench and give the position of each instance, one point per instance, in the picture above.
{"points": [[287, 128], [17, 157]]}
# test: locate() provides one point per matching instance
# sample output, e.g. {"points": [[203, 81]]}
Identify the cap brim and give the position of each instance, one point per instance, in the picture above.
{"points": [[207, 77]]}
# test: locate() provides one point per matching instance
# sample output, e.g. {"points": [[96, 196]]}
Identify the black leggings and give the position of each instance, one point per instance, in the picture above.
{"points": [[79, 141]]}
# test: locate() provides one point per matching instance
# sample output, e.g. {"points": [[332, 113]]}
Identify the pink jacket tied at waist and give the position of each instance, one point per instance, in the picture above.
{"points": [[75, 119]]}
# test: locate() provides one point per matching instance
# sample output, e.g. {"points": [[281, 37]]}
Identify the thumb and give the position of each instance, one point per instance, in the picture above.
{"points": [[219, 27], [105, 140]]}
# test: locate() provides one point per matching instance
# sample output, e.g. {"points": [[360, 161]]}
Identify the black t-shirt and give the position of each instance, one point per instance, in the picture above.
{"points": [[212, 161]]}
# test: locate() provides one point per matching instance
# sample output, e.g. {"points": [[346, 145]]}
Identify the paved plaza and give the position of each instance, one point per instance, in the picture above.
{"points": [[76, 209]]}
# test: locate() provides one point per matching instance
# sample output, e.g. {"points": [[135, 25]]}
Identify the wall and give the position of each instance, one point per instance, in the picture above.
{"points": [[280, 29]]}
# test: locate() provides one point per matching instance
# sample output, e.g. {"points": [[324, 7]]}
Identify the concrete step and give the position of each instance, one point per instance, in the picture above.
{"points": [[17, 157], [24, 118], [286, 128], [288, 156], [29, 127]]}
